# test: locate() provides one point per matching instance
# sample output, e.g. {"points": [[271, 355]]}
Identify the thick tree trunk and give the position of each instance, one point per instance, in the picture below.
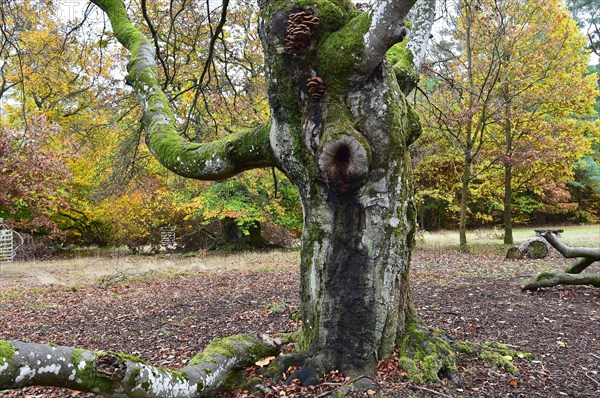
{"points": [[340, 127], [345, 147]]}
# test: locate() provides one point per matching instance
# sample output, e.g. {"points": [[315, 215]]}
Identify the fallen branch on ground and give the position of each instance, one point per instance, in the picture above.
{"points": [[571, 276], [114, 374], [550, 279]]}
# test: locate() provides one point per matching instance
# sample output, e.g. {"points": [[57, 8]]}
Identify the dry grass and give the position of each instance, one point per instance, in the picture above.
{"points": [[101, 266], [86, 270], [492, 239]]}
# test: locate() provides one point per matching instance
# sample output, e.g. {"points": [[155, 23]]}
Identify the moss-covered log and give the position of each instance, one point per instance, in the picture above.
{"points": [[119, 375]]}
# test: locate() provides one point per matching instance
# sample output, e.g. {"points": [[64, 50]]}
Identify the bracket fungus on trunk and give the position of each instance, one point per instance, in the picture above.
{"points": [[316, 88], [301, 26]]}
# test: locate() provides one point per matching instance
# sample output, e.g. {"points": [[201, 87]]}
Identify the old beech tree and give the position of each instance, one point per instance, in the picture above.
{"points": [[339, 129]]}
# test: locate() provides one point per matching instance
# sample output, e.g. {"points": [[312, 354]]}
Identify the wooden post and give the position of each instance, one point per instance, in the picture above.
{"points": [[6, 243]]}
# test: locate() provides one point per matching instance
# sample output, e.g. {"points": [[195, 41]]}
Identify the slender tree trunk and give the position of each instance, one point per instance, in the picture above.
{"points": [[469, 139], [464, 200], [508, 227]]}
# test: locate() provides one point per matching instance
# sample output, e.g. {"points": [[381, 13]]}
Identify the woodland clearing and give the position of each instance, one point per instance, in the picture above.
{"points": [[166, 309]]}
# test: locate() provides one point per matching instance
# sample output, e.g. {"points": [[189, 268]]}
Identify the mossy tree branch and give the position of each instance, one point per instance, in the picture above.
{"points": [[579, 266], [211, 161], [571, 276], [112, 375]]}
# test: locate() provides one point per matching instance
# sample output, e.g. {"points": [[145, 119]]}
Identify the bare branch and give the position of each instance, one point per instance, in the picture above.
{"points": [[155, 39], [386, 29], [211, 48]]}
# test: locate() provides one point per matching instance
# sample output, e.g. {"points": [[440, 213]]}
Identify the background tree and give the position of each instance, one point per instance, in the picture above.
{"points": [[462, 106], [226, 93], [532, 69], [31, 176], [71, 78], [48, 69], [539, 107], [587, 13]]}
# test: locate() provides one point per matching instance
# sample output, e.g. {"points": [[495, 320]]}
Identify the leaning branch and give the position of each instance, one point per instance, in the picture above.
{"points": [[112, 374], [386, 29], [211, 161], [571, 252], [572, 275]]}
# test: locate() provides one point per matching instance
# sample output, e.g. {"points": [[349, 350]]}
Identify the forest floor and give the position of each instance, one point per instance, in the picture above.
{"points": [[170, 308]]}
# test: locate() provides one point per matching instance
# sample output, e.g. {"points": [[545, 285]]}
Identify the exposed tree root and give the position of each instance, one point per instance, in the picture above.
{"points": [[493, 353], [119, 375], [426, 355]]}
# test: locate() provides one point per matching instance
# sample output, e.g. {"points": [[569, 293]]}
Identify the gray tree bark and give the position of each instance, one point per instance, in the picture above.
{"points": [[346, 151]]}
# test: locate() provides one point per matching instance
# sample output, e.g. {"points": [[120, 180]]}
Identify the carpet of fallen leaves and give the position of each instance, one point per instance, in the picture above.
{"points": [[167, 320]]}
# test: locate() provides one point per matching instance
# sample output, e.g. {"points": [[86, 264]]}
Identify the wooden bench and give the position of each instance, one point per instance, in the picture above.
{"points": [[557, 232]]}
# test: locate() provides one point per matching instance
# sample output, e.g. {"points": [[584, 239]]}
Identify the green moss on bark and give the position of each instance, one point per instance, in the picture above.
{"points": [[226, 347], [425, 354], [7, 350], [402, 61], [87, 376], [340, 53], [134, 374], [333, 14], [493, 353], [129, 357]]}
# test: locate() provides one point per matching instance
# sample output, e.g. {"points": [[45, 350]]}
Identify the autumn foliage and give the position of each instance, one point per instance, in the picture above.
{"points": [[74, 168], [33, 175]]}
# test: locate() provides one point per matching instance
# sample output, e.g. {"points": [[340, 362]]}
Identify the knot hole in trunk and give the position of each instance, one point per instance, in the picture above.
{"points": [[344, 163], [342, 159]]}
